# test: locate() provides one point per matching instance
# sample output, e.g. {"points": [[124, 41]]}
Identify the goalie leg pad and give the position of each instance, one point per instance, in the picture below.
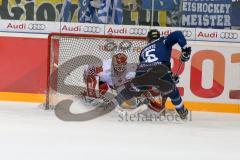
{"points": [[155, 102]]}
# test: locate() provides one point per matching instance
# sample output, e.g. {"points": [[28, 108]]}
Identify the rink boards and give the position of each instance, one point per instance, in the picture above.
{"points": [[210, 81]]}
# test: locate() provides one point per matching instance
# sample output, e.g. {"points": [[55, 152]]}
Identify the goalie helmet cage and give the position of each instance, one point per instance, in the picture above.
{"points": [[68, 51]]}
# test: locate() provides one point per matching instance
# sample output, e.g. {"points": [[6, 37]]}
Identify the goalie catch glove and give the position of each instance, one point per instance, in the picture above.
{"points": [[186, 52]]}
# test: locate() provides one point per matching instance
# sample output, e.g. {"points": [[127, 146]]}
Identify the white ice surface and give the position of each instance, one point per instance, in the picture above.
{"points": [[29, 133]]}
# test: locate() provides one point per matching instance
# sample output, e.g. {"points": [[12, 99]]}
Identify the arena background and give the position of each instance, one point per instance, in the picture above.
{"points": [[210, 81]]}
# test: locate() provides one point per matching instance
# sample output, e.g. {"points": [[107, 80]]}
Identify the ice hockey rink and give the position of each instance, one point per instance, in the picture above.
{"points": [[30, 133]]}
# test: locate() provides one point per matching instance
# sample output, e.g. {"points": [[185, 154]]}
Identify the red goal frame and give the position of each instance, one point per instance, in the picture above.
{"points": [[75, 35]]}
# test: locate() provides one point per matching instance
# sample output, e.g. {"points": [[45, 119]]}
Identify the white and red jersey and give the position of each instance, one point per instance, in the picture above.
{"points": [[103, 77]]}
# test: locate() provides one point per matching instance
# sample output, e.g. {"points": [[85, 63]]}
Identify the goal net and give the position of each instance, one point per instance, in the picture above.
{"points": [[69, 53]]}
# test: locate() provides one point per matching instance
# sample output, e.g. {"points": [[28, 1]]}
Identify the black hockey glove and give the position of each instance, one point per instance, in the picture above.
{"points": [[186, 52], [175, 78]]}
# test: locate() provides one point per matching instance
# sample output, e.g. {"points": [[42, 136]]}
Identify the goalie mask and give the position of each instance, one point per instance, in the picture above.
{"points": [[119, 62]]}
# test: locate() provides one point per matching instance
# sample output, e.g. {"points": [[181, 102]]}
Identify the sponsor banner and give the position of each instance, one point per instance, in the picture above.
{"points": [[189, 33], [50, 27], [141, 31], [217, 35], [138, 31], [126, 30], [119, 30], [82, 28], [28, 26], [205, 13]]}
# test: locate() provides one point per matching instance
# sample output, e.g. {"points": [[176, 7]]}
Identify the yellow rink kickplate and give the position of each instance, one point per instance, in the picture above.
{"points": [[194, 106], [23, 97]]}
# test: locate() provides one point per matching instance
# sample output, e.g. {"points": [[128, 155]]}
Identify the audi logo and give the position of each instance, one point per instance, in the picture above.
{"points": [[91, 29], [187, 33], [138, 31], [228, 35], [36, 27]]}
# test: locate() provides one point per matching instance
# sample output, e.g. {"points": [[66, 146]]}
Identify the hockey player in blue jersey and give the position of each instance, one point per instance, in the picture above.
{"points": [[155, 66], [158, 51]]}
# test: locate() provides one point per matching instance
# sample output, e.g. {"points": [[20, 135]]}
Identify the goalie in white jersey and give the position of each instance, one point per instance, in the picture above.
{"points": [[111, 75]]}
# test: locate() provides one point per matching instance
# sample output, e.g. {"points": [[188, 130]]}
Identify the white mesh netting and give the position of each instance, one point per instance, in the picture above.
{"points": [[68, 53]]}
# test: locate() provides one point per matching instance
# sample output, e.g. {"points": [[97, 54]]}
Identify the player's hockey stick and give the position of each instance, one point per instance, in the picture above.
{"points": [[179, 67], [175, 76]]}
